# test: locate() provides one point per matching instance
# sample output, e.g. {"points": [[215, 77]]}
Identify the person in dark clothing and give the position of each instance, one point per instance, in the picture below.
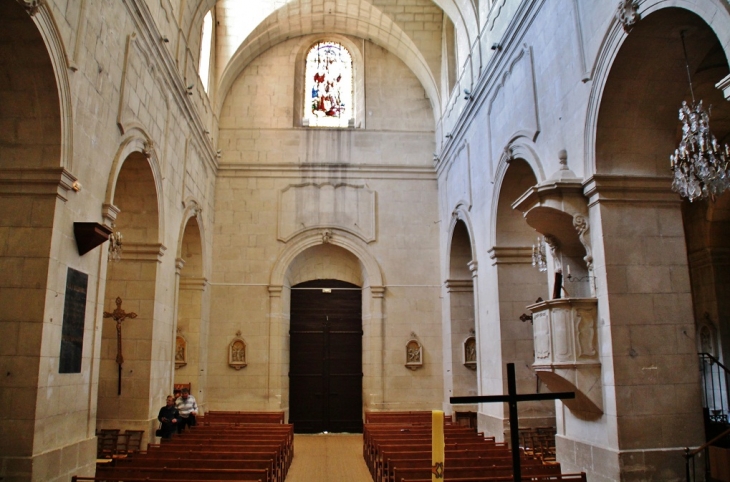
{"points": [[168, 418]]}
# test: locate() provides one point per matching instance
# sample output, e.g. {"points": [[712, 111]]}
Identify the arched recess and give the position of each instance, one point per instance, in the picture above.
{"points": [[190, 362], [144, 374], [136, 141], [34, 186], [518, 284], [632, 129], [376, 26], [365, 272], [461, 340]]}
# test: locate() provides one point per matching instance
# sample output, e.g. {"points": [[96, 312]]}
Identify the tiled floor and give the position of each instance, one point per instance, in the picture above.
{"points": [[328, 458]]}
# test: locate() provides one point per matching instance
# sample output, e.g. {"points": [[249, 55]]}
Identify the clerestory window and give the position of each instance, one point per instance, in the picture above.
{"points": [[328, 96]]}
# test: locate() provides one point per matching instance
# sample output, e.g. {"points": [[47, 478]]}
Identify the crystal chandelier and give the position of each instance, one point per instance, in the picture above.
{"points": [[539, 258], [700, 164], [115, 246]]}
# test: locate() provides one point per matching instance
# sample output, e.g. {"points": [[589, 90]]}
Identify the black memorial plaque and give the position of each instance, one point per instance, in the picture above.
{"points": [[74, 313]]}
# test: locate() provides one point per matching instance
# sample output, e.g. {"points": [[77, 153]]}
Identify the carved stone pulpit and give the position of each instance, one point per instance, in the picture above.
{"points": [[566, 350]]}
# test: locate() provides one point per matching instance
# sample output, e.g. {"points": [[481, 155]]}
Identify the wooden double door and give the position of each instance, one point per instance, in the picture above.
{"points": [[325, 369]]}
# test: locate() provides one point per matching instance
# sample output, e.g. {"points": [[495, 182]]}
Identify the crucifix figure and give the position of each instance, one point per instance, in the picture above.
{"points": [[512, 398], [119, 315]]}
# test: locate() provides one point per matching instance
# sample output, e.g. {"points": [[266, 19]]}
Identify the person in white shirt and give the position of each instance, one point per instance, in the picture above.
{"points": [[188, 409]]}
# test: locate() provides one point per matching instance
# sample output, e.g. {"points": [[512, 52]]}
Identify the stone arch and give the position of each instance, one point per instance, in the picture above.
{"points": [[133, 201], [336, 237], [460, 309], [461, 215], [56, 50], [517, 283], [36, 183], [376, 26], [190, 313], [519, 148], [137, 141], [636, 220], [372, 292], [669, 83]]}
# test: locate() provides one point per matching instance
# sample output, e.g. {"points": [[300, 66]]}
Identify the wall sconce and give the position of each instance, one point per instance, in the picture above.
{"points": [[467, 94], [497, 47]]}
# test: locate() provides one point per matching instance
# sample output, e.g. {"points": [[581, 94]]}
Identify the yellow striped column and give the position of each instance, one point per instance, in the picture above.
{"points": [[437, 446]]}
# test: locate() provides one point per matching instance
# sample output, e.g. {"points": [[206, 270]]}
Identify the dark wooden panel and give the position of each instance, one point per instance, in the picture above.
{"points": [[74, 316], [325, 376]]}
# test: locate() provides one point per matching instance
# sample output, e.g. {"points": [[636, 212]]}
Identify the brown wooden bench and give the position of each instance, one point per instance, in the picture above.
{"points": [[111, 478], [200, 463], [279, 470], [398, 416], [452, 459], [464, 472], [167, 473], [581, 477], [217, 416]]}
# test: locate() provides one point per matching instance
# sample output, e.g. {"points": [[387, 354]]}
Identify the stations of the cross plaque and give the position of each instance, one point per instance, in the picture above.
{"points": [[512, 398], [119, 315]]}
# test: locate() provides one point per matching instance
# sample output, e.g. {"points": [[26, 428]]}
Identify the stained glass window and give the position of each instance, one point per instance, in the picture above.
{"points": [[328, 86]]}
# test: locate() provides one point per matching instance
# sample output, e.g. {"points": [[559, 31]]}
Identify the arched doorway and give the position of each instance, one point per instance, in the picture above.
{"points": [[325, 373], [191, 333], [461, 369], [125, 389], [519, 284]]}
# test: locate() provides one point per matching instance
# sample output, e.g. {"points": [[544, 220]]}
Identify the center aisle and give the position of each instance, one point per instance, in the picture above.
{"points": [[328, 458]]}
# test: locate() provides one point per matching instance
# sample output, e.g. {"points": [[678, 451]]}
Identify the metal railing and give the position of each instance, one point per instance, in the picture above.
{"points": [[715, 382], [715, 379]]}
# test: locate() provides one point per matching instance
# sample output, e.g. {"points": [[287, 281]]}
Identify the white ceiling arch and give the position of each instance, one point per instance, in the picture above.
{"points": [[358, 18], [461, 12]]}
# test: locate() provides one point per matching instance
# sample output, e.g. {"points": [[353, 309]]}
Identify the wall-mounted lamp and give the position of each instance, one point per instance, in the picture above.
{"points": [[497, 47], [467, 94], [165, 39], [449, 136]]}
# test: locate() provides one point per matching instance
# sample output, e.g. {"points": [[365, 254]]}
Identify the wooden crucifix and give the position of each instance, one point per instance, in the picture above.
{"points": [[512, 398], [119, 315]]}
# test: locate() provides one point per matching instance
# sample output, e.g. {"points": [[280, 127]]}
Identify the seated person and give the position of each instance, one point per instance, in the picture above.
{"points": [[187, 408]]}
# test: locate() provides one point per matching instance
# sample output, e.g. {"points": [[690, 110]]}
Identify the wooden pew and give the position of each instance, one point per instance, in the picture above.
{"points": [[457, 458], [451, 473], [167, 473], [215, 417], [279, 472], [215, 451], [200, 463], [111, 478], [581, 477]]}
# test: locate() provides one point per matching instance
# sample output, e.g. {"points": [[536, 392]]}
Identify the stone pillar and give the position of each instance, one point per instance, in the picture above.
{"points": [[373, 349], [278, 381], [646, 335]]}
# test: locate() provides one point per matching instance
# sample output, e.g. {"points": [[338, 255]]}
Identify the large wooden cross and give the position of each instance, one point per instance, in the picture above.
{"points": [[119, 315], [512, 398]]}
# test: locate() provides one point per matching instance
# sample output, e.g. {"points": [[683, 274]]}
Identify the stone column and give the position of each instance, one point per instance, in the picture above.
{"points": [[373, 349], [278, 385], [646, 335]]}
